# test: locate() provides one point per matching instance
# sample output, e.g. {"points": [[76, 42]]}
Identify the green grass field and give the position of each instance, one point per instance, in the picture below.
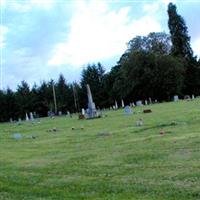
{"points": [[129, 163]]}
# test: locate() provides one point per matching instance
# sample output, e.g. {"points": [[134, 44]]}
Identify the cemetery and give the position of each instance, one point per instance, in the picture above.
{"points": [[99, 100], [126, 155]]}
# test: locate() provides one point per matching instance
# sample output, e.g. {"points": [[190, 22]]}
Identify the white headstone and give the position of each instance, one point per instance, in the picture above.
{"points": [[91, 111], [146, 102], [139, 103], [31, 116], [150, 101], [116, 105], [176, 98], [193, 97], [83, 111], [122, 103], [27, 119]]}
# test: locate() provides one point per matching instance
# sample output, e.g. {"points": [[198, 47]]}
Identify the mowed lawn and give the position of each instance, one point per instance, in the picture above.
{"points": [[108, 158]]}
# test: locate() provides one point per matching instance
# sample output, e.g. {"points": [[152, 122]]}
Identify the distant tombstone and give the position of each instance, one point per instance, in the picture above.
{"points": [[150, 101], [133, 105], [130, 104], [17, 136], [146, 102], [27, 118], [139, 103], [147, 111], [11, 120], [34, 114], [128, 110], [122, 103], [31, 116], [193, 97], [83, 111], [68, 113], [50, 114], [116, 105], [139, 122], [60, 113], [187, 97], [113, 107], [156, 101], [19, 120], [91, 111], [176, 98]]}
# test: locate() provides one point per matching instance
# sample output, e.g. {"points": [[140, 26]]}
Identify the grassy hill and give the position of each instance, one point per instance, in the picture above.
{"points": [[108, 158]]}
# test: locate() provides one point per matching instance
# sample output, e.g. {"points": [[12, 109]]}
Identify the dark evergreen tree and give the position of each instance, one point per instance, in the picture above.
{"points": [[11, 107], [23, 96], [94, 76], [179, 34], [62, 94]]}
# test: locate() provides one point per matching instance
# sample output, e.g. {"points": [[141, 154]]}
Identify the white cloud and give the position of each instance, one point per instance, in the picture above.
{"points": [[3, 31], [2, 3], [166, 2], [98, 33], [196, 47], [151, 7], [44, 4], [26, 6]]}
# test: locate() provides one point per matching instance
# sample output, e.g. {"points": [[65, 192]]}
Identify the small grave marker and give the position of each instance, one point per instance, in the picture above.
{"points": [[176, 98], [17, 136], [122, 103], [139, 122], [128, 110], [139, 103], [27, 118]]}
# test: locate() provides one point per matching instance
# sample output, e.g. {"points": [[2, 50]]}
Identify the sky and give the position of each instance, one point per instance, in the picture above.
{"points": [[40, 39]]}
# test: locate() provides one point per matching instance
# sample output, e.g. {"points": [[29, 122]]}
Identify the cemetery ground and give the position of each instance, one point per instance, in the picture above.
{"points": [[108, 158]]}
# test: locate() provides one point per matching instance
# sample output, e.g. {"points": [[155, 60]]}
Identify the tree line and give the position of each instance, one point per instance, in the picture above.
{"points": [[157, 65]]}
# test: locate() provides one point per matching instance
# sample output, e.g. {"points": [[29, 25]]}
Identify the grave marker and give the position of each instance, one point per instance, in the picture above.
{"points": [[27, 118], [176, 98], [122, 103], [128, 110]]}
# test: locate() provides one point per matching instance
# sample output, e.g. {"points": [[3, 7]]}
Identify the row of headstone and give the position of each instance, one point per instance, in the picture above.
{"points": [[30, 115], [132, 104], [176, 98]]}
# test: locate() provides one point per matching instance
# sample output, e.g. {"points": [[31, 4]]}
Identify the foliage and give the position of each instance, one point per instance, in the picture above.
{"points": [[179, 33], [158, 43], [157, 65], [94, 76], [146, 75]]}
